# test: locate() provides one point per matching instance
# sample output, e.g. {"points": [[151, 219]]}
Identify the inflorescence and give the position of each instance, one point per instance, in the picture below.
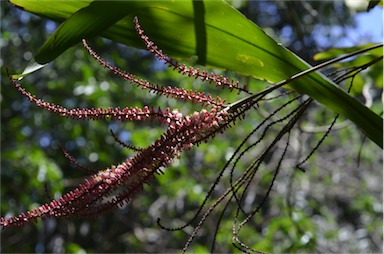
{"points": [[113, 186]]}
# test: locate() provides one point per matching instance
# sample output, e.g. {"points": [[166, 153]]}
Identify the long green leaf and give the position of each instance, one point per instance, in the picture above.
{"points": [[87, 22], [218, 35]]}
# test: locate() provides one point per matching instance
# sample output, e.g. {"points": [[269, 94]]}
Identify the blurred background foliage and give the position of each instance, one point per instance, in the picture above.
{"points": [[336, 206]]}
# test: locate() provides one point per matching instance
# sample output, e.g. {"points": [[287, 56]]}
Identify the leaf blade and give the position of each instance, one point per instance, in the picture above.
{"points": [[87, 22]]}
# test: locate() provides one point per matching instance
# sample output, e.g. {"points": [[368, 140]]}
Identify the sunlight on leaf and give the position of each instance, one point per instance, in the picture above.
{"points": [[31, 67]]}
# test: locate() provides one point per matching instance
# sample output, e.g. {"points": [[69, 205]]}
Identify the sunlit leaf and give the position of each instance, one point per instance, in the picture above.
{"points": [[334, 52]]}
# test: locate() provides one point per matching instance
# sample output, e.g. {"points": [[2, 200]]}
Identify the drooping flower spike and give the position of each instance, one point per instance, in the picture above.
{"points": [[172, 92], [190, 71], [113, 186], [116, 185], [110, 113]]}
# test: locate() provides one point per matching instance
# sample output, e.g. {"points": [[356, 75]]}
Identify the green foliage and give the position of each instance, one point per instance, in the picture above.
{"points": [[74, 248], [373, 75]]}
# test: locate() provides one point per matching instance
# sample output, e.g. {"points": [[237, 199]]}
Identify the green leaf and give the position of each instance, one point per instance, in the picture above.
{"points": [[374, 72], [213, 31], [372, 4], [335, 52], [85, 23]]}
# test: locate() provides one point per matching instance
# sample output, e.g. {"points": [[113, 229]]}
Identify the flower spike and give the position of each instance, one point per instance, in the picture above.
{"points": [[110, 113], [220, 81], [113, 186], [127, 179], [173, 92]]}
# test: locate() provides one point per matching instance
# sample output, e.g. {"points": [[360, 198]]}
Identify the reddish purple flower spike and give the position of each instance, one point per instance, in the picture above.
{"points": [[126, 179], [111, 187], [220, 81], [173, 92], [110, 113]]}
